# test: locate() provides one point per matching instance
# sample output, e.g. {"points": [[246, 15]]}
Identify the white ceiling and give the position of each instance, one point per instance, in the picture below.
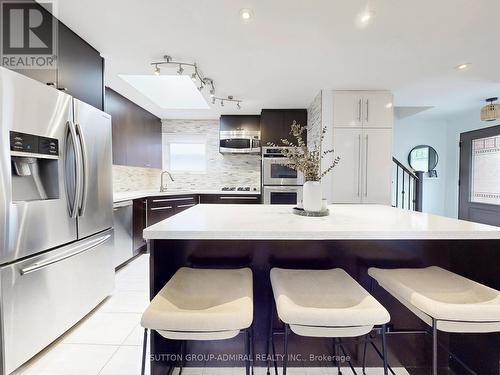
{"points": [[294, 48]]}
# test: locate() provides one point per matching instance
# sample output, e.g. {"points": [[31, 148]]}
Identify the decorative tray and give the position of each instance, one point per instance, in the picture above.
{"points": [[302, 212]]}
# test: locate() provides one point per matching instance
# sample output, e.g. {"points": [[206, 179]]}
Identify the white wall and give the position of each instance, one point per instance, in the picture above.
{"points": [[440, 195], [414, 131]]}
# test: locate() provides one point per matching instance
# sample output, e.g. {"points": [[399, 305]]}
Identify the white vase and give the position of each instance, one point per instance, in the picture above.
{"points": [[312, 196]]}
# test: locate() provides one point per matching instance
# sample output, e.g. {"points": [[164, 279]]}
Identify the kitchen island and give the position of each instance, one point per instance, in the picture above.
{"points": [[353, 237]]}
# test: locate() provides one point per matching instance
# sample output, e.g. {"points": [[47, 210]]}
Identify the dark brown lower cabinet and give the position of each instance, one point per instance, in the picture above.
{"points": [[230, 199], [162, 207]]}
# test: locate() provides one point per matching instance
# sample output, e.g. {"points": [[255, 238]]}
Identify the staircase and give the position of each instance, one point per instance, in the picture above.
{"points": [[406, 187]]}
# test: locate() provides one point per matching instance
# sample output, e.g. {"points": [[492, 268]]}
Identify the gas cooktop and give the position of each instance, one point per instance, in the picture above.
{"points": [[237, 188]]}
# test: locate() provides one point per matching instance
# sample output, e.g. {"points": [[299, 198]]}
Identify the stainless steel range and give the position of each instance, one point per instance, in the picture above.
{"points": [[280, 183], [55, 214]]}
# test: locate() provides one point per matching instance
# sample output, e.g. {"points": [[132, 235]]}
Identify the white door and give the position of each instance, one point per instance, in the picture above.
{"points": [[376, 166], [377, 110], [347, 109], [346, 176]]}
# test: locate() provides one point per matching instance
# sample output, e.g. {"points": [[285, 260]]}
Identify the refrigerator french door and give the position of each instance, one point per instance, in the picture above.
{"points": [[55, 214]]}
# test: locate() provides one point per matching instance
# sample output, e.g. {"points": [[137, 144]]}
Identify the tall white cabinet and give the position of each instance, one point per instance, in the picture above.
{"points": [[362, 137]]}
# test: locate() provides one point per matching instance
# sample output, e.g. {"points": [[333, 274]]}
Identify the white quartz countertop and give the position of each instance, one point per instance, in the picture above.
{"points": [[349, 221], [130, 195]]}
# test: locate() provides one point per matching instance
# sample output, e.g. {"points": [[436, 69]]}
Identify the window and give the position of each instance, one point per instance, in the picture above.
{"points": [[185, 153], [485, 184]]}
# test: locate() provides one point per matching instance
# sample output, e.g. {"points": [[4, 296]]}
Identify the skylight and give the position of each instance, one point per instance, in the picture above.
{"points": [[168, 91]]}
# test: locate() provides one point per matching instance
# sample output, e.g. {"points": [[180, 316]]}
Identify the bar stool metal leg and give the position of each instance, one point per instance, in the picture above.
{"points": [[337, 355], [252, 349], [384, 350], [247, 351], [144, 347], [285, 354], [434, 347]]}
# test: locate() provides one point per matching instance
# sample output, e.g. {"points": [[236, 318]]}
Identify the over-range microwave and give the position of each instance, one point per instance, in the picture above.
{"points": [[239, 142]]}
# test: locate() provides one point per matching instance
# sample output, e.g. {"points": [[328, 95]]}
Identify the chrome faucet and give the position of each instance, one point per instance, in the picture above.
{"points": [[162, 184]]}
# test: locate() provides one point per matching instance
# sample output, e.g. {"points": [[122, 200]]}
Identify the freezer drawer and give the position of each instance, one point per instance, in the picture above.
{"points": [[124, 240], [43, 296]]}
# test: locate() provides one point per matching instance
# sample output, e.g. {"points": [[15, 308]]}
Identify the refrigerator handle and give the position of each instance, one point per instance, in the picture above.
{"points": [[85, 162], [78, 174]]}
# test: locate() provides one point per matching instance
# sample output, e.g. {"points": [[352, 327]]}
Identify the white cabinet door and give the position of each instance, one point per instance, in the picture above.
{"points": [[377, 110], [376, 166], [346, 176], [347, 109]]}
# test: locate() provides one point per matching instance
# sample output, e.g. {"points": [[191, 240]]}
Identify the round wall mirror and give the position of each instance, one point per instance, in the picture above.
{"points": [[423, 158]]}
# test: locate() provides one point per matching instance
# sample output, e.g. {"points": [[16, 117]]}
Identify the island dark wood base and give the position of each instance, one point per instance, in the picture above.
{"points": [[478, 260]]}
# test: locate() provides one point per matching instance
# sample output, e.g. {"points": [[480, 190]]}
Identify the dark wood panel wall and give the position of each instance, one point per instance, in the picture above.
{"points": [[136, 133]]}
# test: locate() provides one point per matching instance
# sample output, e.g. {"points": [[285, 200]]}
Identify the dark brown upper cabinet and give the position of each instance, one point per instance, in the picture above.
{"points": [[275, 124], [137, 139], [240, 122], [78, 69]]}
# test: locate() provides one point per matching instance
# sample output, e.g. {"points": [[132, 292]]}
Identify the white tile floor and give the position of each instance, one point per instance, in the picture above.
{"points": [[109, 340]]}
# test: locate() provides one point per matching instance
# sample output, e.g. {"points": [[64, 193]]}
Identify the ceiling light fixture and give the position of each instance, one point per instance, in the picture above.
{"points": [[491, 111], [246, 15], [196, 76], [463, 66], [367, 16]]}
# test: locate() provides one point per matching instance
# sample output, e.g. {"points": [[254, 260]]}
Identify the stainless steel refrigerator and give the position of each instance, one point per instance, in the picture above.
{"points": [[56, 222]]}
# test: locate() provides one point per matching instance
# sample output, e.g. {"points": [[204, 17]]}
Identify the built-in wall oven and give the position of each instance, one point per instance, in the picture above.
{"points": [[281, 183], [282, 194]]}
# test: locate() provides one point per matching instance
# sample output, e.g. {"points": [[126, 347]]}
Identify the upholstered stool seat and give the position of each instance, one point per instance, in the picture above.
{"points": [[325, 303], [444, 300], [203, 304], [457, 303]]}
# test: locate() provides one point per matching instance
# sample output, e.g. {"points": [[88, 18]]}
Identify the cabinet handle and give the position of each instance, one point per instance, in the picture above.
{"points": [[53, 84], [62, 88], [172, 199], [359, 110], [161, 208], [366, 168], [186, 205], [367, 110], [359, 165], [239, 198]]}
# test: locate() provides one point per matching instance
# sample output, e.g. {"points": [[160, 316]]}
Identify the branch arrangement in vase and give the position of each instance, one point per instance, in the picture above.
{"points": [[301, 158]]}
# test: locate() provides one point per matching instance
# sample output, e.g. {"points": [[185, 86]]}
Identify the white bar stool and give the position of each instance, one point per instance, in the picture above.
{"points": [[325, 303], [444, 300], [203, 304]]}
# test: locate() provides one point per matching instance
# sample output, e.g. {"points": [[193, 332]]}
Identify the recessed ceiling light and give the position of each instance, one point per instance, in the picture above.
{"points": [[464, 66], [246, 15], [388, 105], [367, 16]]}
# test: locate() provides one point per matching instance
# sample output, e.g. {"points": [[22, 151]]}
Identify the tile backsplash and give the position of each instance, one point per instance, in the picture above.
{"points": [[222, 169], [135, 178]]}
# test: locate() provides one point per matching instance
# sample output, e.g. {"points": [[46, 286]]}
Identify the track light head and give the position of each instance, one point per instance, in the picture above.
{"points": [[238, 105], [181, 70], [213, 100], [222, 103], [157, 70], [201, 86]]}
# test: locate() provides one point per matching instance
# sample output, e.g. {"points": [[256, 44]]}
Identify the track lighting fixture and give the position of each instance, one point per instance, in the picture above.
{"points": [[196, 76]]}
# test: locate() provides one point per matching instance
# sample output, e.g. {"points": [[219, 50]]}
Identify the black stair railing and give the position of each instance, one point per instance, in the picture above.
{"points": [[407, 187]]}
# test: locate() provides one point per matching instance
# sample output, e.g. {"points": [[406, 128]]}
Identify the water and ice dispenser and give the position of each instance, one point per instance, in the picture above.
{"points": [[34, 167]]}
